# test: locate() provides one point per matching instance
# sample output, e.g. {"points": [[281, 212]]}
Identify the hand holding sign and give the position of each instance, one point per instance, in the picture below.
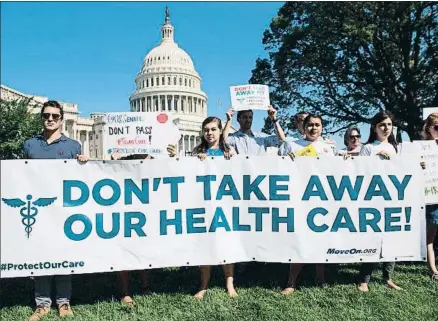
{"points": [[246, 97]]}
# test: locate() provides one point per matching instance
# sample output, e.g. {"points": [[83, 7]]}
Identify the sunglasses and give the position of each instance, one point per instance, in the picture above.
{"points": [[355, 136], [435, 127], [55, 117]]}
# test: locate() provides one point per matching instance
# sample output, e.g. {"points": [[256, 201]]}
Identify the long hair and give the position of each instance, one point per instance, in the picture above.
{"points": [[203, 146], [348, 133], [379, 117], [428, 123]]}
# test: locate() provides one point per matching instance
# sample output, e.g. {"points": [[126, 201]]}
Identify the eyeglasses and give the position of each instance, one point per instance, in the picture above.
{"points": [[435, 127], [355, 136], [55, 117]]}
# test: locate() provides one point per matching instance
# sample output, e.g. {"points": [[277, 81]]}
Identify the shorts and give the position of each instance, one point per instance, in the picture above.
{"points": [[432, 214]]}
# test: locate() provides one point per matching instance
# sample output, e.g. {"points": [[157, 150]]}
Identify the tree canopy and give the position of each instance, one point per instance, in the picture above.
{"points": [[16, 126], [348, 60]]}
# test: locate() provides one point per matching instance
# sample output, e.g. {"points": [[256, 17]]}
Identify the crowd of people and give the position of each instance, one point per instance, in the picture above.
{"points": [[218, 141]]}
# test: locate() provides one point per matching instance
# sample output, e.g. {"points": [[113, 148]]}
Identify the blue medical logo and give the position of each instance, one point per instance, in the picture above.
{"points": [[27, 211]]}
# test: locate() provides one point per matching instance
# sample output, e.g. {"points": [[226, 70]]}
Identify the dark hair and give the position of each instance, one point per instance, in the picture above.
{"points": [[428, 123], [348, 133], [241, 112], [379, 117], [297, 115], [203, 146], [53, 103], [307, 119]]}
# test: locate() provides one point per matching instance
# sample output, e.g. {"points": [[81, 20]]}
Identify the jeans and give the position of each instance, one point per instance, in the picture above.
{"points": [[367, 269], [42, 290]]}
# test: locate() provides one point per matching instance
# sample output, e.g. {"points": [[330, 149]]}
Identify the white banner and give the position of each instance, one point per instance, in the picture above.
{"points": [[246, 97], [139, 133], [61, 217]]}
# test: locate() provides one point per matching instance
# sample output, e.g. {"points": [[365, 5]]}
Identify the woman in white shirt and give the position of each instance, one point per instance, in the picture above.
{"points": [[312, 125], [352, 142], [381, 143]]}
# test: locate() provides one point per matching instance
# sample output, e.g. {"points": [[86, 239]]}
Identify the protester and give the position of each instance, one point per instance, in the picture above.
{"points": [[430, 132], [382, 143], [352, 142], [312, 125], [144, 275], [247, 142], [52, 144], [213, 144], [298, 123]]}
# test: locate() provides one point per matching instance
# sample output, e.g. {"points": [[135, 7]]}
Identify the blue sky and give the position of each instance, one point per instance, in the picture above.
{"points": [[90, 53]]}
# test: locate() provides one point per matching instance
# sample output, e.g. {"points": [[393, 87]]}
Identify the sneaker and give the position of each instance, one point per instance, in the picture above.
{"points": [[434, 276], [65, 310], [39, 313]]}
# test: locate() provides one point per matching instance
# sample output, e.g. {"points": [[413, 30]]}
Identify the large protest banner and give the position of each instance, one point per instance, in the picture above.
{"points": [[62, 217], [139, 133]]}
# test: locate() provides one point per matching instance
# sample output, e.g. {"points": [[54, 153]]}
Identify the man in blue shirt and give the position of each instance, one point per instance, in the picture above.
{"points": [[245, 141], [52, 144]]}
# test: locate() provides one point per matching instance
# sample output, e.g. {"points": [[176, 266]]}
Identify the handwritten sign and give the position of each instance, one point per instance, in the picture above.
{"points": [[307, 151], [428, 149], [139, 133], [246, 97]]}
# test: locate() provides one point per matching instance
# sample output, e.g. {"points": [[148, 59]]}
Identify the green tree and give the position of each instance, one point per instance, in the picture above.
{"points": [[348, 60], [16, 125]]}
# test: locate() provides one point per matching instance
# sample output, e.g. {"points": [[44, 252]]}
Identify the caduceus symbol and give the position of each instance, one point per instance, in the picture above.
{"points": [[28, 212]]}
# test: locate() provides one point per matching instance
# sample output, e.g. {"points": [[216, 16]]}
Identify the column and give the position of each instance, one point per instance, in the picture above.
{"points": [[86, 144], [195, 100], [173, 103]]}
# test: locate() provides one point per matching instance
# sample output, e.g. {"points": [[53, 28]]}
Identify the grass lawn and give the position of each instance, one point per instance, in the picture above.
{"points": [[94, 296]]}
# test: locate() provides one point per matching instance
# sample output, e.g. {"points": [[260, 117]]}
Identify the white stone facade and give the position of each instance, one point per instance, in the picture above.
{"points": [[169, 82], [74, 126]]}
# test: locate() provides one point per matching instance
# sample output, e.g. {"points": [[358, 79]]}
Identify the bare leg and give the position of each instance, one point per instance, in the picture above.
{"points": [[124, 287], [205, 278], [144, 276], [229, 277], [294, 270], [366, 269], [320, 275], [431, 233], [388, 271]]}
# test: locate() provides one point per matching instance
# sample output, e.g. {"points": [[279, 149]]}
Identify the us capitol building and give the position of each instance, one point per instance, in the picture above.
{"points": [[167, 81]]}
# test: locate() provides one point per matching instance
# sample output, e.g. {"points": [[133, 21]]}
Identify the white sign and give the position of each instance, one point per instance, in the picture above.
{"points": [[139, 133], [429, 150], [429, 110], [246, 97], [61, 217]]}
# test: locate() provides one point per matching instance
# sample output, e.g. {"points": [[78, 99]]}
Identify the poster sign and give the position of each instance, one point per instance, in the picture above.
{"points": [[246, 97], [139, 133], [133, 215]]}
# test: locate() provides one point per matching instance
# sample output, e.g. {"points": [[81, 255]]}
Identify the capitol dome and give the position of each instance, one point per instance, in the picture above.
{"points": [[169, 82]]}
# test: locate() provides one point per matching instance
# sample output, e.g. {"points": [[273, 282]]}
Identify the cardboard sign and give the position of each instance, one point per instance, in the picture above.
{"points": [[139, 133], [246, 97]]}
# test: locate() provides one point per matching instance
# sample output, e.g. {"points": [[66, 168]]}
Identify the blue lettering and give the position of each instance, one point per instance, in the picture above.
{"points": [[258, 211], [311, 219], [236, 223], [400, 186], [67, 187], [131, 188], [115, 192], [389, 219], [274, 188], [227, 181], [338, 192], [377, 188], [372, 222], [206, 179], [137, 227], [319, 192], [173, 181], [253, 187], [114, 231], [219, 221], [68, 231], [338, 223], [165, 222], [277, 220], [192, 220]]}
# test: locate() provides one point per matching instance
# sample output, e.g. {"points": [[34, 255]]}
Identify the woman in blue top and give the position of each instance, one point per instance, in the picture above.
{"points": [[213, 144]]}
